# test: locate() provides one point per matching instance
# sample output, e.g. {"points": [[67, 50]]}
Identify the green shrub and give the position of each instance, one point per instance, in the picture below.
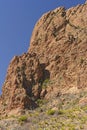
{"points": [[22, 118], [45, 83], [40, 102], [51, 112], [60, 112]]}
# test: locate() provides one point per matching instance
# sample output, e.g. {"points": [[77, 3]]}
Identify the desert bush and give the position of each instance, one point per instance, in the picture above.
{"points": [[51, 112], [23, 118], [46, 82]]}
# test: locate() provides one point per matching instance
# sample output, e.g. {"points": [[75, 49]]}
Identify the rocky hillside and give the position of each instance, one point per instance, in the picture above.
{"points": [[55, 64]]}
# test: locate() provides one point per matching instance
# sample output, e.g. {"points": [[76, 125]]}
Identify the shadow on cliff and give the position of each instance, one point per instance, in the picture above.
{"points": [[33, 88]]}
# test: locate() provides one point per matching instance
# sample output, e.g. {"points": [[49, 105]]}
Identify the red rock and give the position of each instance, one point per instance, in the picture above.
{"points": [[57, 52]]}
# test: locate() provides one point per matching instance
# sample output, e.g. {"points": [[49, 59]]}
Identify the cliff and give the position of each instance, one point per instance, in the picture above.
{"points": [[55, 64]]}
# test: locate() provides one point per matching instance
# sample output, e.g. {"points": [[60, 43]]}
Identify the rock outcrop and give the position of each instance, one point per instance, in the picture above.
{"points": [[55, 63]]}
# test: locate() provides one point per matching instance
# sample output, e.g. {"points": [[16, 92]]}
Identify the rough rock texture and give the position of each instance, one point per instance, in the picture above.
{"points": [[63, 46], [55, 63], [22, 85]]}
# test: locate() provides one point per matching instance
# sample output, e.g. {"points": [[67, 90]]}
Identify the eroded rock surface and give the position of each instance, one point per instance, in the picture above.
{"points": [[55, 63]]}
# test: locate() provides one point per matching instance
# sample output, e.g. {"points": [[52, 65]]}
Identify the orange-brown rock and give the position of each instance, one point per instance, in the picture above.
{"points": [[60, 41], [55, 62], [22, 85]]}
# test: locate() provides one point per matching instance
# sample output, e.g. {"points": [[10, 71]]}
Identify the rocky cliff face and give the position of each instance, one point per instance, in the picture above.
{"points": [[55, 63]]}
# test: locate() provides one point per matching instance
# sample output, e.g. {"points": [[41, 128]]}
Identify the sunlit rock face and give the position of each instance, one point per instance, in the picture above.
{"points": [[56, 61]]}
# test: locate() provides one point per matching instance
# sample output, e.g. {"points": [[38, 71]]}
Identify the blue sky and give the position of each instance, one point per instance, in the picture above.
{"points": [[17, 20]]}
